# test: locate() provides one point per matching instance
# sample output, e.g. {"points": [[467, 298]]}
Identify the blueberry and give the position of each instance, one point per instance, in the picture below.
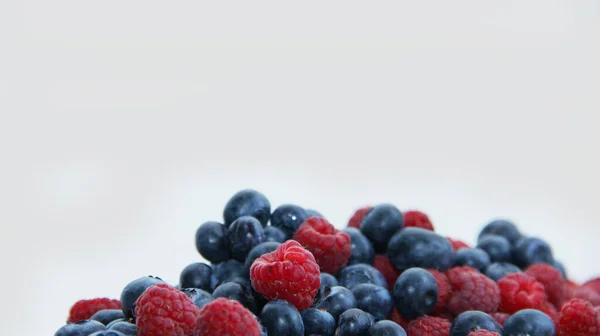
{"points": [[80, 328], [530, 250], [132, 292], [240, 293], [415, 293], [197, 275], [281, 318], [258, 251], [374, 300], [211, 242], [198, 296], [327, 281], [126, 328], [497, 247], [119, 320], [381, 223], [362, 249], [558, 265], [387, 328], [416, 247], [288, 218], [273, 234], [529, 322], [472, 320], [356, 274], [336, 300], [108, 315], [242, 235], [107, 333], [317, 322], [230, 270], [497, 271], [354, 322], [247, 202], [503, 228], [313, 213], [473, 257]]}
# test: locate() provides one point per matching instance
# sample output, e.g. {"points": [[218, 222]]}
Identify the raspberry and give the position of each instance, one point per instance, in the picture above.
{"points": [[457, 244], [289, 273], [330, 247], [164, 310], [520, 291], [586, 293], [472, 290], [444, 290], [84, 309], [593, 284], [548, 309], [414, 218], [226, 317], [383, 264], [482, 332], [578, 318], [500, 317], [358, 216], [396, 317], [429, 326], [551, 278]]}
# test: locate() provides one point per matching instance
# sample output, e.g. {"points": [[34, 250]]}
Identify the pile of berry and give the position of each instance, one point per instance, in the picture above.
{"points": [[291, 272]]}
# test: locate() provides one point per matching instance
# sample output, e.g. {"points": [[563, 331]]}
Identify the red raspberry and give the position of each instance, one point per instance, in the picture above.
{"points": [[414, 218], [593, 284], [483, 332], [383, 264], [586, 293], [84, 309], [331, 247], [289, 273], [552, 279], [520, 291], [472, 290], [500, 317], [164, 310], [358, 216], [578, 318], [226, 317], [457, 244], [429, 326], [549, 310], [396, 317], [444, 290]]}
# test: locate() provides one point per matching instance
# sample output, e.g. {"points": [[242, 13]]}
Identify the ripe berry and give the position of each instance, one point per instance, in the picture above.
{"points": [[256, 252], [483, 333], [125, 328], [313, 213], [107, 333], [457, 244], [383, 264], [132, 292], [444, 290], [247, 202], [289, 273], [242, 235], [197, 275], [273, 234], [106, 316], [80, 328], [578, 318], [226, 317], [414, 247], [353, 275], [330, 247], [380, 224], [415, 293], [594, 284], [529, 322], [498, 248], [529, 251], [399, 319], [374, 300], [497, 271], [362, 249], [500, 317], [85, 309], [239, 293], [561, 268], [503, 228], [414, 218], [472, 290], [317, 322], [288, 218], [470, 321], [327, 281], [281, 318], [429, 326], [230, 270], [354, 322], [211, 242], [387, 328], [473, 257], [358, 216], [336, 300], [552, 279], [520, 291], [199, 297]]}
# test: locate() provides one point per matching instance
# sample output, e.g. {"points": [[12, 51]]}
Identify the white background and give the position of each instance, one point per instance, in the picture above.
{"points": [[126, 124]]}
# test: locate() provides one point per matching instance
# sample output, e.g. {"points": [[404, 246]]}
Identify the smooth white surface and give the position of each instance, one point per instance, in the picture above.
{"points": [[127, 124]]}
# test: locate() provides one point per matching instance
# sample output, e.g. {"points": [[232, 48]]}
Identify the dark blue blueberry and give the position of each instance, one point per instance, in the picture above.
{"points": [[288, 218], [373, 299], [472, 320], [362, 249], [529, 322], [354, 322], [317, 322], [497, 247], [211, 242], [197, 275], [132, 292], [473, 257], [242, 235], [198, 296], [230, 270], [107, 333], [356, 274], [108, 326], [336, 300], [416, 247], [247, 202], [281, 318], [387, 328], [503, 228], [530, 250], [561, 267], [126, 328], [327, 281], [497, 271], [240, 293], [256, 252], [108, 315], [273, 234], [81, 328], [380, 224], [313, 213], [415, 293]]}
